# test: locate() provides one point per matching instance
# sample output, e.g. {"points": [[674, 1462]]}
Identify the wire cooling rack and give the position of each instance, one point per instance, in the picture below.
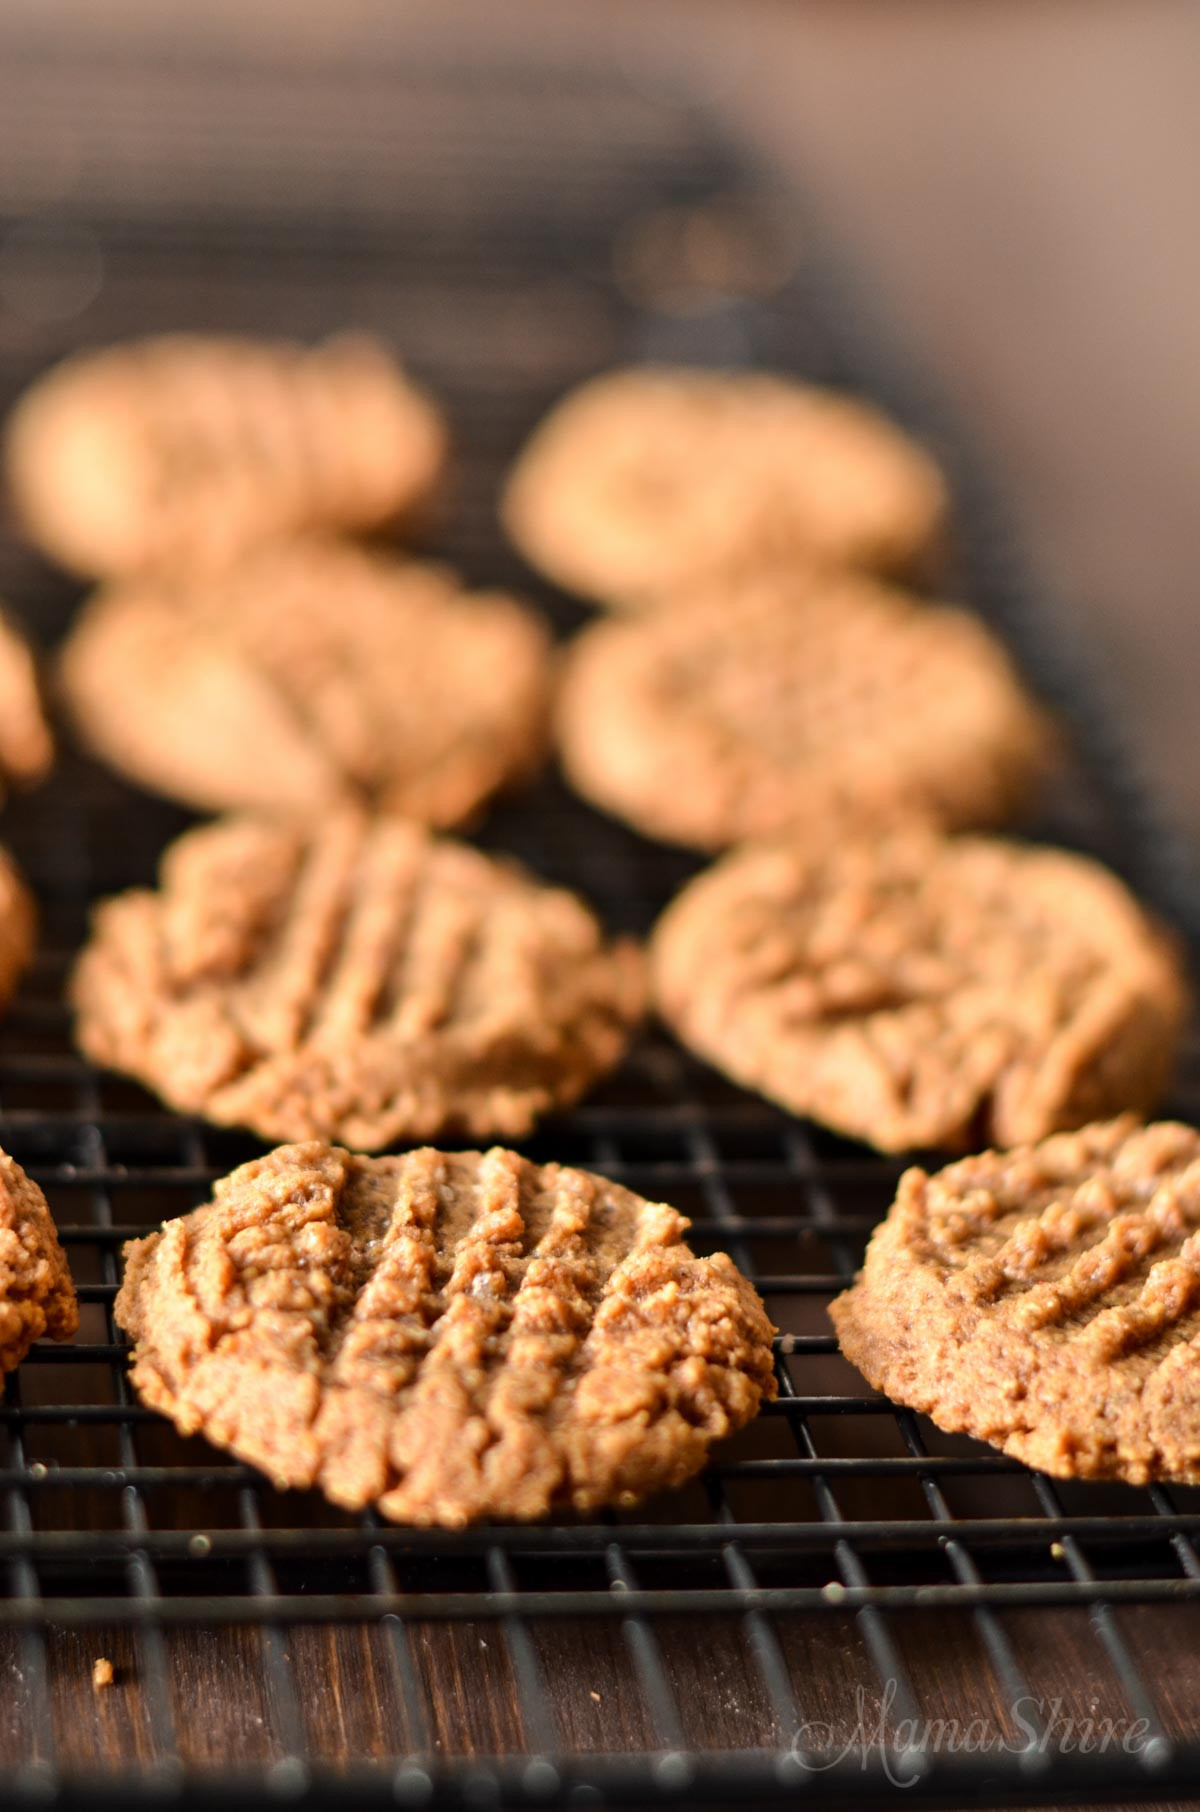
{"points": [[848, 1604]]}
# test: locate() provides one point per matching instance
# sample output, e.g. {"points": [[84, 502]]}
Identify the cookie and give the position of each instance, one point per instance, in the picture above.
{"points": [[916, 991], [1046, 1299], [309, 673], [18, 927], [444, 1336], [645, 482], [26, 745], [722, 722], [185, 450], [358, 980], [36, 1294]]}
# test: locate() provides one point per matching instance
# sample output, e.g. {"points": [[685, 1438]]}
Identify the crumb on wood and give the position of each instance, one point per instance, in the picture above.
{"points": [[102, 1672], [596, 1696]]}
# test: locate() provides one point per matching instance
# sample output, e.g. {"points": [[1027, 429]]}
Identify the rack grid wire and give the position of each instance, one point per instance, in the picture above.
{"points": [[517, 235]]}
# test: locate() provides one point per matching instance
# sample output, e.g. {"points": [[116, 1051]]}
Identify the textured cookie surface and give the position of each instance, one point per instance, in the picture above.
{"points": [[186, 450], [36, 1293], [723, 721], [312, 672], [361, 981], [445, 1336], [918, 991], [1046, 1299], [646, 481], [26, 747]]}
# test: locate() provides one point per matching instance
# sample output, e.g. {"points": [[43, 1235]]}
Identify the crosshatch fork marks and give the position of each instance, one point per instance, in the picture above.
{"points": [[1066, 1335], [445, 1336], [365, 980]]}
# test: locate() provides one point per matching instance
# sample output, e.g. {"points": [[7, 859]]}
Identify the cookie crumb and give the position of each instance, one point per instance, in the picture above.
{"points": [[595, 1696], [102, 1672]]}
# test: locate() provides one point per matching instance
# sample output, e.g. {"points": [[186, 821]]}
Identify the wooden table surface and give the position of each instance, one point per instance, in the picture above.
{"points": [[1018, 181]]}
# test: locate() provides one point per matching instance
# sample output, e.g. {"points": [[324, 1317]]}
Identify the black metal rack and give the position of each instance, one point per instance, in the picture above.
{"points": [[539, 229]]}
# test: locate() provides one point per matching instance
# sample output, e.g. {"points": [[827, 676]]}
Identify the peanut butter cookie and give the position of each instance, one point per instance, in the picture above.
{"points": [[26, 746], [918, 991], [184, 451], [1047, 1300], [18, 927], [645, 482], [308, 673], [723, 721], [36, 1293], [447, 1337], [359, 980]]}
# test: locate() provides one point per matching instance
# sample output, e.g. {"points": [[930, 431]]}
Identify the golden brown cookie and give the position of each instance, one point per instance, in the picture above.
{"points": [[185, 450], [1047, 1300], [645, 482], [312, 672], [445, 1336], [26, 746], [756, 704], [36, 1293], [918, 991], [359, 980], [18, 927]]}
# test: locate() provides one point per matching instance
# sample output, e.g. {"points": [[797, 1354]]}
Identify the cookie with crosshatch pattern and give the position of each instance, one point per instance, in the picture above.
{"points": [[308, 673], [185, 450], [1046, 1299], [37, 1296], [362, 980], [446, 1336], [18, 927], [644, 482], [923, 991], [26, 745], [730, 716]]}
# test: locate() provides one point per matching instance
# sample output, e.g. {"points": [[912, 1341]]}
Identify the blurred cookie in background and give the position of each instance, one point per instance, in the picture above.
{"points": [[726, 719], [310, 673], [186, 449], [26, 744], [645, 482], [18, 927]]}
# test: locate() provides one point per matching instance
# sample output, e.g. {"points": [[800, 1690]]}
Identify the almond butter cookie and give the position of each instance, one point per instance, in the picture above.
{"points": [[18, 927], [917, 991], [1046, 1299], [26, 745], [724, 721], [360, 980], [645, 482], [36, 1293], [309, 673], [445, 1336], [185, 450]]}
